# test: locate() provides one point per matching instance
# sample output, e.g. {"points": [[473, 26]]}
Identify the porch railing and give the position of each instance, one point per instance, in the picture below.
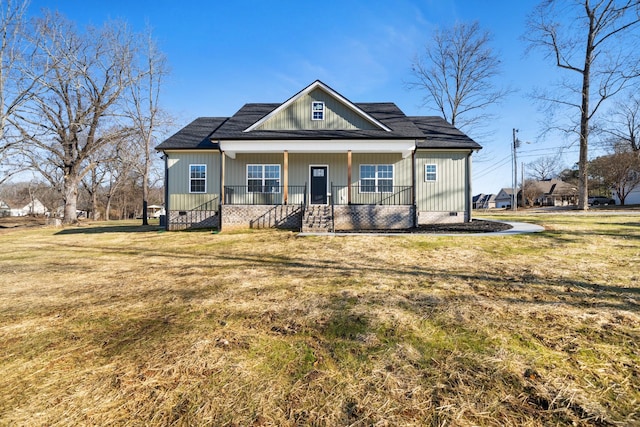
{"points": [[371, 195], [211, 205], [198, 217], [271, 195]]}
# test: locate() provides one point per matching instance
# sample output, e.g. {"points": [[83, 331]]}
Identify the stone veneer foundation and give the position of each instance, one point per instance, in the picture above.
{"points": [[373, 217], [262, 216], [346, 217]]}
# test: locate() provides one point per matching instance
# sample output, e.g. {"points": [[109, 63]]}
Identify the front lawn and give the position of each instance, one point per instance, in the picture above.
{"points": [[117, 324]]}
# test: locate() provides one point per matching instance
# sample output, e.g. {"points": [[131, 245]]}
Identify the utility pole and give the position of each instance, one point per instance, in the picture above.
{"points": [[524, 198], [516, 144]]}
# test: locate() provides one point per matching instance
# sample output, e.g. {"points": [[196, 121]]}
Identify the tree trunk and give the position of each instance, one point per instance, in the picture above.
{"points": [[70, 192], [145, 192], [583, 160], [107, 209]]}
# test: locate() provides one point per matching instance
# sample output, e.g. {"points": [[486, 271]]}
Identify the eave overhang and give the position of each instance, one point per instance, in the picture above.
{"points": [[404, 147]]}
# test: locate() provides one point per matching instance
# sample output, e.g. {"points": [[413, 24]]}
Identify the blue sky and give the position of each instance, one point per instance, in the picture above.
{"points": [[223, 54]]}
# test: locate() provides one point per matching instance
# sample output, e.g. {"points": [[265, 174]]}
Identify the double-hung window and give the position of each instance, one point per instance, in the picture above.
{"points": [[317, 110], [263, 178], [376, 178], [197, 178], [430, 173]]}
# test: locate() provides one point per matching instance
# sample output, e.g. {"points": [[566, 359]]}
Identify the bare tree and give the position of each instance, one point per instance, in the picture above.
{"points": [[619, 171], [623, 123], [123, 159], [457, 70], [544, 167], [591, 39], [532, 192], [145, 112], [15, 88], [83, 77], [92, 183]]}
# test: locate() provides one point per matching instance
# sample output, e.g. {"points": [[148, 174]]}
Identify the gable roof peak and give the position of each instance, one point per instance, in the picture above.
{"points": [[315, 85]]}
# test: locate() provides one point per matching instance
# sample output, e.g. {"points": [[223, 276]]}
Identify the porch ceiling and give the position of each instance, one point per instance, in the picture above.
{"points": [[404, 147]]}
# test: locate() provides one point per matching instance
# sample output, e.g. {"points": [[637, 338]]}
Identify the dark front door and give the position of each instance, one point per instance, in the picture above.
{"points": [[319, 185]]}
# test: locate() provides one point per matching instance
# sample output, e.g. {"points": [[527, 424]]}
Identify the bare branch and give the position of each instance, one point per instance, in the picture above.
{"points": [[457, 71]]}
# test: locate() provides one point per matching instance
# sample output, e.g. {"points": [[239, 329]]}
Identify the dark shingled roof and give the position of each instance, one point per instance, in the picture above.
{"points": [[195, 135], [387, 113], [430, 132], [440, 134]]}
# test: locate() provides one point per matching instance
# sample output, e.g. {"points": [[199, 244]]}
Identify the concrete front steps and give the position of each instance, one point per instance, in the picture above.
{"points": [[317, 219]]}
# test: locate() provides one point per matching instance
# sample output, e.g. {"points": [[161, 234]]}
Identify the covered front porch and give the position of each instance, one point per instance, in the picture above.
{"points": [[292, 208]]}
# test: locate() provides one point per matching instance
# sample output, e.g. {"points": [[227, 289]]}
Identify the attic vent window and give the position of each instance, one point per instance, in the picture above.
{"points": [[317, 110]]}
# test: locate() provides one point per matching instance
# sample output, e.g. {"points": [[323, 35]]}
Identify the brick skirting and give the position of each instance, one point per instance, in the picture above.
{"points": [[262, 216], [346, 217], [373, 217]]}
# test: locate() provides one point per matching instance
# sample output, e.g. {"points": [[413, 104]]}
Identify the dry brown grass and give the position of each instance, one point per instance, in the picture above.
{"points": [[122, 325]]}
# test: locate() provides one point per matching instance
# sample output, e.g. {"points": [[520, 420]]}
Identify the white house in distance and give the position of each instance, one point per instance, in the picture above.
{"points": [[633, 197], [504, 198], [317, 162], [22, 207]]}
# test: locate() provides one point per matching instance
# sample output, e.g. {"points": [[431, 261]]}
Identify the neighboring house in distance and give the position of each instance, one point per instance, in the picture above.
{"points": [[5, 209], [504, 199], [552, 192], [633, 197], [484, 201], [318, 162], [22, 207]]}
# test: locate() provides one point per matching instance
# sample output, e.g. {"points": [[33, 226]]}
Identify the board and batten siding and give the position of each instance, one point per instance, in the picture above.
{"points": [[178, 183], [298, 115], [449, 192]]}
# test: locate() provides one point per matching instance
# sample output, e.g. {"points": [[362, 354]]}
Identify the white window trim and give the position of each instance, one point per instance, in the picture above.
{"points": [[313, 104], [435, 172], [376, 179], [263, 165], [191, 179]]}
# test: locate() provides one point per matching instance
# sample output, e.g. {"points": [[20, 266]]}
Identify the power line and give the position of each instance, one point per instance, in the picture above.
{"points": [[493, 167]]}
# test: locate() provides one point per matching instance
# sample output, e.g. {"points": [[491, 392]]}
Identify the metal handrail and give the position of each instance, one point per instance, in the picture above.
{"points": [[271, 195], [397, 195]]}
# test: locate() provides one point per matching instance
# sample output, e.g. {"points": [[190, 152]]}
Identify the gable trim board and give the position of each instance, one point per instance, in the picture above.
{"points": [[384, 135]]}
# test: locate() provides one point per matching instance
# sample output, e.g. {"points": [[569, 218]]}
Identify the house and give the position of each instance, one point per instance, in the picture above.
{"points": [[317, 162], [5, 209], [504, 199], [484, 201], [632, 198], [22, 207], [552, 192]]}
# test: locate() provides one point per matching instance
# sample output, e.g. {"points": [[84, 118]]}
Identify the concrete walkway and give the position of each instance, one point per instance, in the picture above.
{"points": [[517, 228]]}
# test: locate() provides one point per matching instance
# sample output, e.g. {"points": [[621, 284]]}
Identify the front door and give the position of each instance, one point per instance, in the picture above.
{"points": [[319, 185]]}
